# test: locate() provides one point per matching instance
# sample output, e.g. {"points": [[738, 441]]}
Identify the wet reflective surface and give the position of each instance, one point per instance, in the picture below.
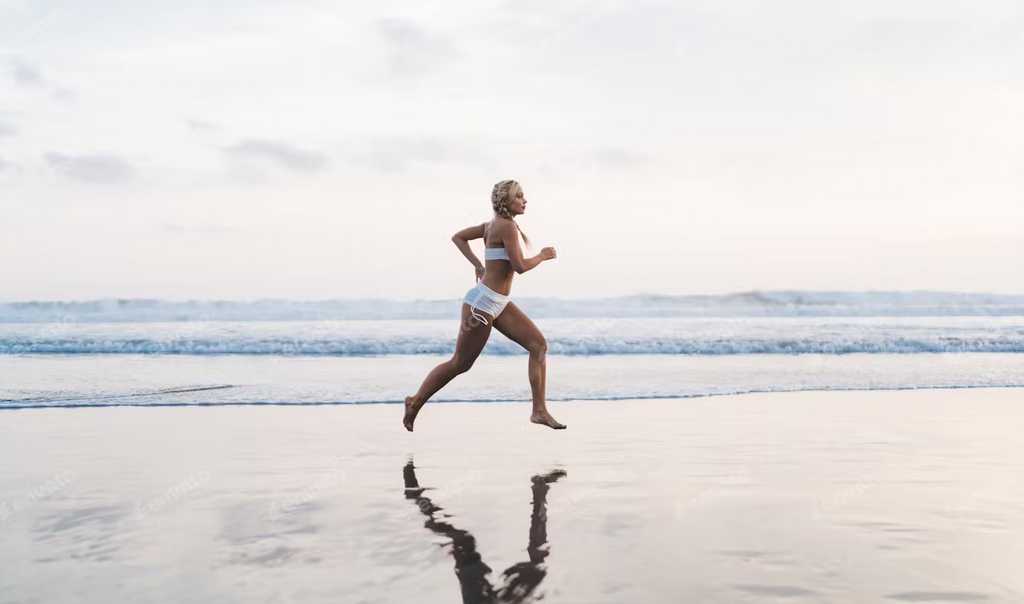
{"points": [[521, 579], [911, 496]]}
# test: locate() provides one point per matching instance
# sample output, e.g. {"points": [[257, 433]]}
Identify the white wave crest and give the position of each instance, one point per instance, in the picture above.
{"points": [[557, 346], [749, 304]]}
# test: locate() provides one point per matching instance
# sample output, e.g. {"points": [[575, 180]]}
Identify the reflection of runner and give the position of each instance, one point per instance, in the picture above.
{"points": [[521, 579]]}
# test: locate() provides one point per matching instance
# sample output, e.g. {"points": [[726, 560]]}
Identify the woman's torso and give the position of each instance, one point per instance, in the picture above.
{"points": [[497, 273]]}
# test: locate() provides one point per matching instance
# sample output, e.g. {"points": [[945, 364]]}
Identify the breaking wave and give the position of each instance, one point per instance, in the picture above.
{"points": [[556, 345], [748, 304]]}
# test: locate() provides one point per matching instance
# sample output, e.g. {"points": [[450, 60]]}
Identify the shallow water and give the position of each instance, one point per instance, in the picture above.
{"points": [[912, 496], [105, 380]]}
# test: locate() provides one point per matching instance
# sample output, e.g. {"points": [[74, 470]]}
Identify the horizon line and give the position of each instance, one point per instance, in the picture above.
{"points": [[575, 298]]}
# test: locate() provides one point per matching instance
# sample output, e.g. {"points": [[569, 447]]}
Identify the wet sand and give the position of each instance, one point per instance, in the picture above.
{"points": [[881, 496]]}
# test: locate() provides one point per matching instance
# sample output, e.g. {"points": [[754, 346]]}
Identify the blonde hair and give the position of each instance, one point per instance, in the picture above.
{"points": [[502, 195]]}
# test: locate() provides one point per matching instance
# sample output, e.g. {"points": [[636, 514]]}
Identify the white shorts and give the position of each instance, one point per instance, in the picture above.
{"points": [[485, 299]]}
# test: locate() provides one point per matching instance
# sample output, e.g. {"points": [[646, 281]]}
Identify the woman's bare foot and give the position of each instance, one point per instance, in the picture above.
{"points": [[544, 418], [411, 409]]}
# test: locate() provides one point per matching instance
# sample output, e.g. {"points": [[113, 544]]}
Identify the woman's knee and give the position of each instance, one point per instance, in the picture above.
{"points": [[462, 364], [539, 347]]}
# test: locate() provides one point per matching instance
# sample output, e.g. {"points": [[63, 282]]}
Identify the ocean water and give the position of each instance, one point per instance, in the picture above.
{"points": [[151, 352], [295, 482]]}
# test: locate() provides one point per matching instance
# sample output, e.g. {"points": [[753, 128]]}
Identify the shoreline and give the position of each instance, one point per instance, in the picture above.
{"points": [[495, 401]]}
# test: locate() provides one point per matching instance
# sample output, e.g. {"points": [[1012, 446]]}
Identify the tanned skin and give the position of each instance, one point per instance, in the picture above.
{"points": [[512, 322]]}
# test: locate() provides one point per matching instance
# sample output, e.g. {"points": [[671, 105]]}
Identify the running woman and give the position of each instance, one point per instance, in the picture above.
{"points": [[487, 304]]}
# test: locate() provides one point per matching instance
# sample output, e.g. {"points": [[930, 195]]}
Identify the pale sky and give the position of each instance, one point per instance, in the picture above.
{"points": [[308, 149]]}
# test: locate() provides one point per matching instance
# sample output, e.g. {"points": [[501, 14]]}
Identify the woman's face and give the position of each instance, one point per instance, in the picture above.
{"points": [[518, 204]]}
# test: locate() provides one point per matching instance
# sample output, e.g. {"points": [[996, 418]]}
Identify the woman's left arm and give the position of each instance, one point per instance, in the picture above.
{"points": [[462, 238]]}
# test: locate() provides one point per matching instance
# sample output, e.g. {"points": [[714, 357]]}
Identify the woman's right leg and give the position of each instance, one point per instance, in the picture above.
{"points": [[473, 334], [516, 326]]}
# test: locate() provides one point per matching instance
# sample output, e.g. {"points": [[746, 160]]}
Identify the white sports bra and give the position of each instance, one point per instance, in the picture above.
{"points": [[495, 253]]}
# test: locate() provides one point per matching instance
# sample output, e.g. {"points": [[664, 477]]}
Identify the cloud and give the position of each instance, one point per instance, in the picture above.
{"points": [[410, 50], [398, 154], [620, 158], [736, 41], [606, 159], [26, 74], [62, 94], [182, 229], [199, 125], [282, 154], [90, 168]]}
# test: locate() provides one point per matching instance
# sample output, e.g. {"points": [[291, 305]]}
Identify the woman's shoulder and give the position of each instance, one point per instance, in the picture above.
{"points": [[496, 227], [499, 223]]}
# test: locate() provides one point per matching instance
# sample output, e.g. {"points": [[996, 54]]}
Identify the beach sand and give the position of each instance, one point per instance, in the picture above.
{"points": [[877, 496]]}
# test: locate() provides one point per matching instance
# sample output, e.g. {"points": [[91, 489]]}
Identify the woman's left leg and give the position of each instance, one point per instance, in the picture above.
{"points": [[516, 326], [473, 334]]}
